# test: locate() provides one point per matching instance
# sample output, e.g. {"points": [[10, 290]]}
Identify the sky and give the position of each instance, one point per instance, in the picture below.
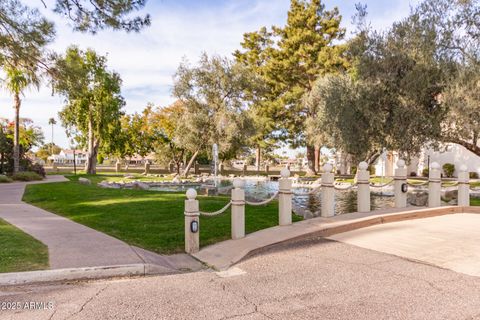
{"points": [[180, 29]]}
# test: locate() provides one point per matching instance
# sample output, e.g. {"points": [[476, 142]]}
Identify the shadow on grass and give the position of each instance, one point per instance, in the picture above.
{"points": [[148, 219]]}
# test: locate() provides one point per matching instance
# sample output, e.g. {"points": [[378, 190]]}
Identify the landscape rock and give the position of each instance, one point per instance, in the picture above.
{"points": [[419, 199], [84, 180]]}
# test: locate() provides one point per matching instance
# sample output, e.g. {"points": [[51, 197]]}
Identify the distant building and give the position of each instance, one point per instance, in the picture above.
{"points": [[67, 157], [449, 153]]}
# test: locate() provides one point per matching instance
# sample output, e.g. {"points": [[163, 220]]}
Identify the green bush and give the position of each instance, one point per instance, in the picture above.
{"points": [[4, 179], [425, 172], [448, 169], [26, 176], [473, 175]]}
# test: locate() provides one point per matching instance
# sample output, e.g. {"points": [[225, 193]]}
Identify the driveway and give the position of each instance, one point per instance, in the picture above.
{"points": [[307, 279]]}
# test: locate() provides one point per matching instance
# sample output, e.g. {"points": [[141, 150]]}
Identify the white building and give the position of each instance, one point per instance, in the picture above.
{"points": [[68, 156], [449, 153]]}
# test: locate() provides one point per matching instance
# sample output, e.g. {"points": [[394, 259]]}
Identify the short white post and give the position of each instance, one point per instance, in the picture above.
{"points": [[147, 167], [192, 222], [238, 209], [363, 182], [117, 166], [285, 198], [401, 186], [328, 191], [434, 186], [463, 186]]}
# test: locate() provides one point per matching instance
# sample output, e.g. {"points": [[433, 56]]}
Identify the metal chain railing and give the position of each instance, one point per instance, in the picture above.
{"points": [[215, 213], [264, 202]]}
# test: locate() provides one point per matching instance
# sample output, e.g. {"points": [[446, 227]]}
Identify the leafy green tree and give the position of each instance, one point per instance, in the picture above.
{"points": [[47, 150], [94, 15], [290, 58], [212, 96], [29, 136], [17, 80], [391, 97], [23, 37], [163, 123], [93, 101]]}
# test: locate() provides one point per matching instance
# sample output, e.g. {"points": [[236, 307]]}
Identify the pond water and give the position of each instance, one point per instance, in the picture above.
{"points": [[345, 200]]}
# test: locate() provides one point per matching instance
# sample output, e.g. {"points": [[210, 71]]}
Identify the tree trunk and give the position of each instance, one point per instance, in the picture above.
{"points": [[16, 139], [91, 164], [317, 158], [311, 160], [190, 163], [373, 157], [258, 158]]}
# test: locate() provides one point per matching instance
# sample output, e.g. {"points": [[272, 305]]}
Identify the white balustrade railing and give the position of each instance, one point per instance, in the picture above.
{"points": [[327, 187]]}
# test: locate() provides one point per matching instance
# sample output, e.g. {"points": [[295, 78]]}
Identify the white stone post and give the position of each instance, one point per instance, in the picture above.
{"points": [[147, 167], [328, 191], [192, 222], [285, 198], [434, 185], [54, 166], [117, 166], [400, 186], [363, 182], [238, 209], [463, 186]]}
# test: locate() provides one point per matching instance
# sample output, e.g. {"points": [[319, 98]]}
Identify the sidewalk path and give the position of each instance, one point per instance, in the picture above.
{"points": [[72, 245]]}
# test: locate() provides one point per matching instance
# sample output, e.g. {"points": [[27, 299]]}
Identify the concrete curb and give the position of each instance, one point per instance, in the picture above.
{"points": [[223, 255], [87, 273]]}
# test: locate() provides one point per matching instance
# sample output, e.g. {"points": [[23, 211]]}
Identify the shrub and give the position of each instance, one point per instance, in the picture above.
{"points": [[4, 179], [413, 174], [39, 169], [448, 169], [353, 170], [473, 175], [26, 176], [425, 172]]}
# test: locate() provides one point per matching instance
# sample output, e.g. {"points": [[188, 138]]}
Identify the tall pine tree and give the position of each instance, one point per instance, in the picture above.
{"points": [[290, 59]]}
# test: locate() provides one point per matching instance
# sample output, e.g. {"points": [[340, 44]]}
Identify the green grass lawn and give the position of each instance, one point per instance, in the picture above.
{"points": [[148, 219], [19, 251], [475, 201]]}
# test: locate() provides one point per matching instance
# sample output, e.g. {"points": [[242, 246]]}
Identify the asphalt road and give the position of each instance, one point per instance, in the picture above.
{"points": [[309, 279]]}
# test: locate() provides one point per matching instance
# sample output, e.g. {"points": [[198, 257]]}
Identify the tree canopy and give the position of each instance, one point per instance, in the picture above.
{"points": [[93, 101]]}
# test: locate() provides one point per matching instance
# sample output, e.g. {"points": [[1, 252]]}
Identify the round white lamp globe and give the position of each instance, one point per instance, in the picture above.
{"points": [[327, 168], [191, 194], [435, 165], [363, 165], [285, 173], [238, 183]]}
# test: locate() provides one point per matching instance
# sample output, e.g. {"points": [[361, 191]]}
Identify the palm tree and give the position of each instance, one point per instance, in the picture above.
{"points": [[17, 80], [52, 122]]}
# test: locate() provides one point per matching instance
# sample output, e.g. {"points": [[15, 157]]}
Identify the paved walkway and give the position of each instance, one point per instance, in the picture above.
{"points": [[72, 245], [450, 241], [315, 279]]}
